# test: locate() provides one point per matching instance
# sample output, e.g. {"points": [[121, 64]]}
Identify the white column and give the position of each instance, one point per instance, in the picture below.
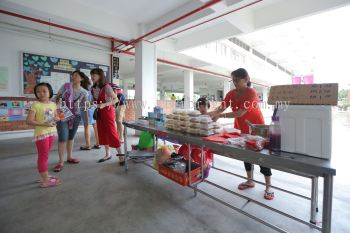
{"points": [[125, 86], [188, 89], [265, 94], [145, 78], [161, 93], [227, 87]]}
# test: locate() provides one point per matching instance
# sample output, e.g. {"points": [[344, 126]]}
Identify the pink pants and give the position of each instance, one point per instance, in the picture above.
{"points": [[44, 146]]}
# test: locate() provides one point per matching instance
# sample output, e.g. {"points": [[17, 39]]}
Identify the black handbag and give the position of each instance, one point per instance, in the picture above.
{"points": [[95, 115]]}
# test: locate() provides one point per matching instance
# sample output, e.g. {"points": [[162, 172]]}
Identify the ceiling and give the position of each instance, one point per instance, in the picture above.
{"points": [[317, 45], [130, 19], [140, 11]]}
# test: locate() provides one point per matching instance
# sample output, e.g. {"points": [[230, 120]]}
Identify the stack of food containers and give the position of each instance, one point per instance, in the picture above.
{"points": [[192, 122]]}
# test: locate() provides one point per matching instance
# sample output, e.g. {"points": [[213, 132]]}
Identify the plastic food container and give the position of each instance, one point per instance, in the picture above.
{"points": [[176, 117], [193, 131], [184, 117], [205, 132], [195, 125], [205, 119], [171, 121], [170, 126], [170, 116], [194, 113], [184, 129], [206, 126], [185, 123], [195, 119], [177, 123], [217, 130], [216, 125]]}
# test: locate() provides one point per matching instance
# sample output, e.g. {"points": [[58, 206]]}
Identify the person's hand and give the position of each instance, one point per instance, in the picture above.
{"points": [[101, 106], [215, 117], [211, 114], [51, 123]]}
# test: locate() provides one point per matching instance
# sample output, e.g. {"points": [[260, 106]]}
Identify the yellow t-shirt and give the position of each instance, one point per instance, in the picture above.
{"points": [[44, 113]]}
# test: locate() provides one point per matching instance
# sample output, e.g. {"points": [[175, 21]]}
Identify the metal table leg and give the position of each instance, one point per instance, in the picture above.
{"points": [[314, 191], [202, 162], [189, 168], [316, 187], [126, 148], [156, 142], [327, 204], [213, 160]]}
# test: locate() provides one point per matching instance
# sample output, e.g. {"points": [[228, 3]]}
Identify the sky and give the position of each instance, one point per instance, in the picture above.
{"points": [[318, 44]]}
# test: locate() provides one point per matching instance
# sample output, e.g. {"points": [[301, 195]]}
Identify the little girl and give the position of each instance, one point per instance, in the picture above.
{"points": [[43, 116]]}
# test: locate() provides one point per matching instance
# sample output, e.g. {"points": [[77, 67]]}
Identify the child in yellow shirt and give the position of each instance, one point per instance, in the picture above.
{"points": [[43, 115]]}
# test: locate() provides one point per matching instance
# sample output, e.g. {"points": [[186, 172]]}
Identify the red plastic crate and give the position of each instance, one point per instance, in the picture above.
{"points": [[181, 178]]}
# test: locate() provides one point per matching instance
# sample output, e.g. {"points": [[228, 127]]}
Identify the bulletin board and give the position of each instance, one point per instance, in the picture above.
{"points": [[38, 68], [14, 110]]}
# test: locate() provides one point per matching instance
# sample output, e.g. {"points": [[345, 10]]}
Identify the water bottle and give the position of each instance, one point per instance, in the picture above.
{"points": [[275, 135]]}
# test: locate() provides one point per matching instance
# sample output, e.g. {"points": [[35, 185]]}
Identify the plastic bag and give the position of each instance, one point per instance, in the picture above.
{"points": [[163, 153], [146, 141]]}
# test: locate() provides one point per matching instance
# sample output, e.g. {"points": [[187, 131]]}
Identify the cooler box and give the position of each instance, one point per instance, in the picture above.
{"points": [[307, 129]]}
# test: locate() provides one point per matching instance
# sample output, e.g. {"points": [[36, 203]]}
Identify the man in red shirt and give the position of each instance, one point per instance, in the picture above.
{"points": [[243, 101]]}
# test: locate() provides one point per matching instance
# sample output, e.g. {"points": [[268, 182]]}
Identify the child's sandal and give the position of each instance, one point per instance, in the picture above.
{"points": [[51, 183], [50, 177]]}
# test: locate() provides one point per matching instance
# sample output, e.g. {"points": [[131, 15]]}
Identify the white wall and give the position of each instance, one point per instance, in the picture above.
{"points": [[13, 43]]}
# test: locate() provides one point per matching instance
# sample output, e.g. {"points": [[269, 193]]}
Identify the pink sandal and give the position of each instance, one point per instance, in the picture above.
{"points": [[50, 178], [269, 195], [245, 185], [58, 168], [51, 183], [74, 161]]}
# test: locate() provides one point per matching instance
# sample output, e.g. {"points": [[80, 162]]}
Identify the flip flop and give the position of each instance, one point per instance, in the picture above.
{"points": [[73, 161], [58, 168], [85, 148], [121, 162], [269, 195], [50, 177], [96, 147], [51, 183], [104, 159], [245, 185]]}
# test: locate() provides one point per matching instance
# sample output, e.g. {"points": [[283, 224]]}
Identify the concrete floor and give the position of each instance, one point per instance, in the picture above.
{"points": [[103, 198]]}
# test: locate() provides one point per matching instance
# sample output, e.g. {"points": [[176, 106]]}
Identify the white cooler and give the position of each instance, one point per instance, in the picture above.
{"points": [[307, 129]]}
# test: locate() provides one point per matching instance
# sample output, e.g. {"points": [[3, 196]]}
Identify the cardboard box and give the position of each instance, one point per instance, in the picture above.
{"points": [[305, 94]]}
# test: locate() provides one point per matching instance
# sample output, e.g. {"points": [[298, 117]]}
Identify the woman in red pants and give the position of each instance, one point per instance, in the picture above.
{"points": [[105, 98]]}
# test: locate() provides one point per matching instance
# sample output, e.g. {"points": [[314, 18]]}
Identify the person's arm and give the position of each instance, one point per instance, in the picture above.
{"points": [[57, 118], [235, 114], [31, 120], [86, 115], [111, 95], [216, 114], [59, 96]]}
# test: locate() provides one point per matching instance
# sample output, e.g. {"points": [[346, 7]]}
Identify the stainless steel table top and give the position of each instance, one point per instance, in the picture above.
{"points": [[284, 161]]}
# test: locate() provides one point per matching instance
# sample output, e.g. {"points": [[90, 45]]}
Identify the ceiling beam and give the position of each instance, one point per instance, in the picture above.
{"points": [[288, 10], [216, 32], [174, 14]]}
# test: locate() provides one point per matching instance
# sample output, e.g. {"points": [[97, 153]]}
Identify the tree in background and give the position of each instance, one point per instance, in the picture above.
{"points": [[343, 95], [343, 100]]}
